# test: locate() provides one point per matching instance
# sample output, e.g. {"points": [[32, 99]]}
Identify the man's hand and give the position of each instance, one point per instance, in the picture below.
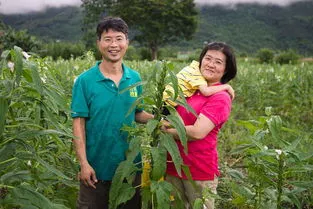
{"points": [[88, 176]]}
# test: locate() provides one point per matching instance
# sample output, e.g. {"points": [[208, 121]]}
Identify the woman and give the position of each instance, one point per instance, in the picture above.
{"points": [[218, 66]]}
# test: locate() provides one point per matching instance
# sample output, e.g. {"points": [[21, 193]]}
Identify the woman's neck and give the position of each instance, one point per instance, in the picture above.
{"points": [[213, 83]]}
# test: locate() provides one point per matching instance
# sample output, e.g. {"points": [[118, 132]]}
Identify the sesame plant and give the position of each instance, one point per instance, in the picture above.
{"points": [[36, 166], [265, 161], [272, 166], [152, 145]]}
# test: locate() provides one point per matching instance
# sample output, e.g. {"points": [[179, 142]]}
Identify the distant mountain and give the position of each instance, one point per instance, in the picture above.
{"points": [[62, 23], [248, 27]]}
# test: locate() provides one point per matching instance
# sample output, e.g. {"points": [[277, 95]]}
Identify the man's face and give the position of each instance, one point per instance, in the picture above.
{"points": [[112, 45]]}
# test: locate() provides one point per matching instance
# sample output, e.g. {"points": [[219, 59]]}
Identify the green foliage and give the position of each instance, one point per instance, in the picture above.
{"points": [[65, 50], [35, 135], [272, 85], [54, 23], [265, 55], [132, 53], [287, 57], [156, 22], [10, 38], [154, 145], [271, 161], [36, 165], [248, 27]]}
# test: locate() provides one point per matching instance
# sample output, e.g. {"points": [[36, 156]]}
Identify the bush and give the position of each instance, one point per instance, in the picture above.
{"points": [[195, 55], [265, 55], [132, 53], [21, 38], [65, 50], [166, 53], [287, 57]]}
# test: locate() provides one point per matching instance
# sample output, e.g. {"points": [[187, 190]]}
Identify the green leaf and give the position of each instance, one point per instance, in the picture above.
{"points": [[18, 63], [182, 101], [146, 197], [134, 105], [198, 204], [169, 143], [36, 78], [5, 54], [275, 126], [124, 170], [15, 176], [55, 101], [179, 126], [302, 184], [250, 125], [27, 197], [293, 145], [127, 192], [134, 149], [7, 151], [152, 125], [4, 104], [52, 168], [163, 190], [159, 162], [241, 149], [235, 174], [174, 82], [34, 133], [133, 86]]}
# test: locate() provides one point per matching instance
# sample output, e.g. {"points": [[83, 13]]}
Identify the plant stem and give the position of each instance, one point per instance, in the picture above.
{"points": [[280, 179]]}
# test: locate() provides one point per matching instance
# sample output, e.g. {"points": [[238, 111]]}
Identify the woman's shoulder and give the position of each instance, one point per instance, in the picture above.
{"points": [[222, 96]]}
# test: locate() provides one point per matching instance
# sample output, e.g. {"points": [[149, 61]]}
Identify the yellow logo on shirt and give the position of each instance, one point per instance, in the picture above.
{"points": [[133, 92]]}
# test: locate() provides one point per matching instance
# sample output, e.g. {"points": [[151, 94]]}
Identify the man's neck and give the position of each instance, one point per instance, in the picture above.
{"points": [[111, 68]]}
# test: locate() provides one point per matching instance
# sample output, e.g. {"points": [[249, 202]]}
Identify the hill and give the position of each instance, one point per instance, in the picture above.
{"points": [[54, 23], [248, 27]]}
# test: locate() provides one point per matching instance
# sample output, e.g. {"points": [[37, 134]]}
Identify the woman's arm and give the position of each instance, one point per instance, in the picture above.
{"points": [[198, 130], [209, 90]]}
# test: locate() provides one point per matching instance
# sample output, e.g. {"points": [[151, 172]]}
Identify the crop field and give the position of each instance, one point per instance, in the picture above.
{"points": [[265, 149]]}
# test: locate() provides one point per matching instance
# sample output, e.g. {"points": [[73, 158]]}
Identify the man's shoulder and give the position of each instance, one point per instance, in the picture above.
{"points": [[89, 73], [131, 72]]}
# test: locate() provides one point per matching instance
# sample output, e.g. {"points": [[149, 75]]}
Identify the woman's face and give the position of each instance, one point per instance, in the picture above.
{"points": [[213, 66]]}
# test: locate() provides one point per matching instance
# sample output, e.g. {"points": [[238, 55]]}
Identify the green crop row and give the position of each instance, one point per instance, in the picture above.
{"points": [[264, 149]]}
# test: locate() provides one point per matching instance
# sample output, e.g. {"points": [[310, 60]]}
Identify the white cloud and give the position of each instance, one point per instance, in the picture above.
{"points": [[24, 6], [234, 2]]}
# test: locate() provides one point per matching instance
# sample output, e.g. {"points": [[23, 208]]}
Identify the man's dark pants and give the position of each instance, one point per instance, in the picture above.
{"points": [[90, 198]]}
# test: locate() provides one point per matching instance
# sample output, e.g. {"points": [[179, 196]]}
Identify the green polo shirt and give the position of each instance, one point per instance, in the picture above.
{"points": [[98, 100]]}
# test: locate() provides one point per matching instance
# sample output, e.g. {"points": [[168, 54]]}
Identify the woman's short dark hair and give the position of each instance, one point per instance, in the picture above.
{"points": [[231, 65], [114, 23]]}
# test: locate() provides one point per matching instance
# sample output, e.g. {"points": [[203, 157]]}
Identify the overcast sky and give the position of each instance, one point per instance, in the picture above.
{"points": [[24, 6]]}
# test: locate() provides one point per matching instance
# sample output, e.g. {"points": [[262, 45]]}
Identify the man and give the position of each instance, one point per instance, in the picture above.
{"points": [[99, 111]]}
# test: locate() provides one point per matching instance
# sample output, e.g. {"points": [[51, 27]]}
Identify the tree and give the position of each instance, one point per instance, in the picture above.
{"points": [[10, 38], [156, 22]]}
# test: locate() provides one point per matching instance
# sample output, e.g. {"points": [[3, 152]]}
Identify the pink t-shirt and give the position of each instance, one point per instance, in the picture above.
{"points": [[202, 157]]}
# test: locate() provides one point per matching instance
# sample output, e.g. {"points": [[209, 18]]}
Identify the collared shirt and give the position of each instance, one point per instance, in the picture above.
{"points": [[202, 156], [105, 108]]}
